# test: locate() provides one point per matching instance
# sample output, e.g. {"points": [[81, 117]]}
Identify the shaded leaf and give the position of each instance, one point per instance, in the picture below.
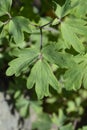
{"points": [[22, 106]]}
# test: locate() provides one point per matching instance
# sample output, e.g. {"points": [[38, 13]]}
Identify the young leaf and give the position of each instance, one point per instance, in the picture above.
{"points": [[17, 26], [5, 6], [42, 76], [25, 58]]}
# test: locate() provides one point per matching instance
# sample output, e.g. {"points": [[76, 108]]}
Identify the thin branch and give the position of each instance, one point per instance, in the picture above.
{"points": [[41, 39], [37, 26], [47, 24]]}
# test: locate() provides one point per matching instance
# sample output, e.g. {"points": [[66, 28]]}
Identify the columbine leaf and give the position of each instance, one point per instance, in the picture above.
{"points": [[22, 106], [64, 10], [85, 79], [64, 60], [67, 127], [60, 119], [5, 6], [44, 123], [71, 38], [78, 26], [73, 77], [17, 26], [58, 10], [25, 58], [77, 75], [41, 75], [81, 10]]}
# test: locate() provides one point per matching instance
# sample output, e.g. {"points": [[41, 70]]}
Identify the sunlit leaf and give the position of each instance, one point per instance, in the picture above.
{"points": [[25, 58], [42, 76], [17, 26]]}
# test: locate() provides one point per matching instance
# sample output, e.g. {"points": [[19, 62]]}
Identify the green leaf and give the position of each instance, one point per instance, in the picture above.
{"points": [[60, 119], [43, 123], [64, 10], [81, 9], [25, 58], [1, 24], [62, 59], [55, 21], [17, 26], [22, 106], [85, 78], [71, 38], [78, 26], [73, 77], [58, 10], [42, 76], [67, 127], [5, 6]]}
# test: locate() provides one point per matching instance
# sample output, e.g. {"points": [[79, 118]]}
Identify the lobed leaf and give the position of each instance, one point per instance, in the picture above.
{"points": [[42, 76], [73, 78], [17, 26], [5, 6], [25, 58], [71, 38], [62, 59], [62, 11]]}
